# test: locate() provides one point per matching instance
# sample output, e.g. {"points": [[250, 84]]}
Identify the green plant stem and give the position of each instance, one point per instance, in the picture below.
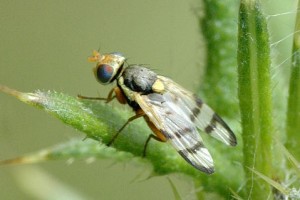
{"points": [[255, 96], [293, 113]]}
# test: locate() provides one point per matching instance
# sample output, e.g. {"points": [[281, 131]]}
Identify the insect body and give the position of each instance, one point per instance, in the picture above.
{"points": [[173, 113]]}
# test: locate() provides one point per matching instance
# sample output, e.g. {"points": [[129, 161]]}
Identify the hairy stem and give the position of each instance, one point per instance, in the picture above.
{"points": [[255, 96]]}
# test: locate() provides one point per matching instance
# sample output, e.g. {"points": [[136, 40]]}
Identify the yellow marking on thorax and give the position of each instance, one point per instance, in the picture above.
{"points": [[158, 86]]}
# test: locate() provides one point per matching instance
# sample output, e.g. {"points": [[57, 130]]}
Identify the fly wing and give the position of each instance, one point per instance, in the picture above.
{"points": [[176, 125], [199, 113]]}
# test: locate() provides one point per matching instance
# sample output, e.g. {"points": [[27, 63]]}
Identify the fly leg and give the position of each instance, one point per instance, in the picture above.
{"points": [[108, 99], [139, 114], [159, 136], [116, 93], [151, 136]]}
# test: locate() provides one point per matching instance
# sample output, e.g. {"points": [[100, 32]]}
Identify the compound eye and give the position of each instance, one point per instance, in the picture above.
{"points": [[104, 73]]}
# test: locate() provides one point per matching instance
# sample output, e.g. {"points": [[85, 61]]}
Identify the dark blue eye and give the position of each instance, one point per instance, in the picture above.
{"points": [[104, 73]]}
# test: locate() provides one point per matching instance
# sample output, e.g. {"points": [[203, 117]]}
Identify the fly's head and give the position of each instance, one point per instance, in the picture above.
{"points": [[108, 66]]}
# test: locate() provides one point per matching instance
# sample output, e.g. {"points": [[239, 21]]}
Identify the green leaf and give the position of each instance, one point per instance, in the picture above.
{"points": [[255, 96], [100, 122], [75, 149]]}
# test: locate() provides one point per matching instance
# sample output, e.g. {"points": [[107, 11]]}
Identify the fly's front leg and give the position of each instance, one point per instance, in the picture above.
{"points": [[111, 95]]}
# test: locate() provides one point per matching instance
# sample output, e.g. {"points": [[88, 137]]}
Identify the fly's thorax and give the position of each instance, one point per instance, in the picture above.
{"points": [[109, 67], [139, 79]]}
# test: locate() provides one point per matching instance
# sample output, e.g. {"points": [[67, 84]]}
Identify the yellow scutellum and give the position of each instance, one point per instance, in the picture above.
{"points": [[158, 86], [95, 57]]}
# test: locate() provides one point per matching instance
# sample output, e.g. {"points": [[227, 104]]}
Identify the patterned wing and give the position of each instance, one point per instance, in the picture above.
{"points": [[199, 113], [175, 123]]}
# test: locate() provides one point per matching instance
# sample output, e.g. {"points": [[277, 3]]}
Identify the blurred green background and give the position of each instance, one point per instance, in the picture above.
{"points": [[45, 45]]}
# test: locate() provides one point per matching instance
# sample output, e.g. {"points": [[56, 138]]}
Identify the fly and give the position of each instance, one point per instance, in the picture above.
{"points": [[173, 113]]}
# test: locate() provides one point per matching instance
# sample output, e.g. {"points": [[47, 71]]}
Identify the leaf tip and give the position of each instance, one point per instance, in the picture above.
{"points": [[34, 158], [30, 98]]}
